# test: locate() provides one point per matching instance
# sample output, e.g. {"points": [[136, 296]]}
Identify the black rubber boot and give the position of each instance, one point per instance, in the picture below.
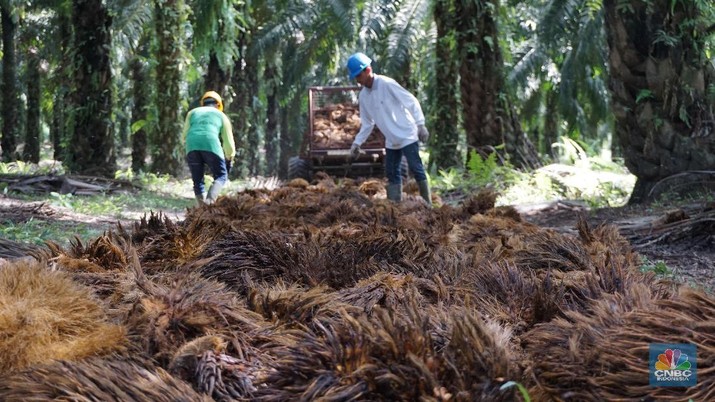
{"points": [[394, 192], [425, 191]]}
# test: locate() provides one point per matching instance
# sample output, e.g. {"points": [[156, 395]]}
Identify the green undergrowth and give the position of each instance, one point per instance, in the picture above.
{"points": [[659, 268], [596, 182], [37, 232], [152, 193], [123, 205], [105, 211], [89, 216]]}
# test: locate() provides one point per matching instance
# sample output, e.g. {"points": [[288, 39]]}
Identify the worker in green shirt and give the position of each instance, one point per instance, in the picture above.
{"points": [[209, 142]]}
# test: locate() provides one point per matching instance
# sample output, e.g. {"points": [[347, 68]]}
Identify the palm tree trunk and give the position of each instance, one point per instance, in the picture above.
{"points": [[660, 78], [254, 133], [58, 124], [31, 151], [445, 125], [139, 75], [551, 124], [167, 156], [239, 114], [292, 117], [62, 75], [293, 121], [244, 83], [92, 149], [253, 136], [272, 117], [489, 118], [216, 78], [9, 85]]}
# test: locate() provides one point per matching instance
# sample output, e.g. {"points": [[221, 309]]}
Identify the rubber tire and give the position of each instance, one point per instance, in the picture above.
{"points": [[298, 168]]}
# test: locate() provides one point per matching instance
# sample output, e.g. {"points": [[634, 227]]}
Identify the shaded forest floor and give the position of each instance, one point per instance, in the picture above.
{"points": [[676, 241]]}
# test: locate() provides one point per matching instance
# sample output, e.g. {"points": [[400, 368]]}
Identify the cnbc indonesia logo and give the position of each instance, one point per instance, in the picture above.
{"points": [[672, 365]]}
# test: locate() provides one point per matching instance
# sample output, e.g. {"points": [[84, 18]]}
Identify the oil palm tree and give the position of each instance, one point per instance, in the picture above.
{"points": [[216, 25], [9, 16], [54, 41], [169, 18], [139, 70], [132, 28], [663, 87], [489, 116], [660, 82], [92, 150], [561, 72], [31, 151], [445, 90]]}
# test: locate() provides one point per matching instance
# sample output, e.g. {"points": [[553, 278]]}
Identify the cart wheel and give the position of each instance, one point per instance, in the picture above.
{"points": [[298, 168]]}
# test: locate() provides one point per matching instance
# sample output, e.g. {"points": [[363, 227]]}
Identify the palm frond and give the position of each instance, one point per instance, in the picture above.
{"points": [[406, 28], [342, 17], [578, 70], [285, 25], [572, 34], [130, 18], [530, 64], [553, 22], [216, 24], [597, 94], [532, 104], [375, 17]]}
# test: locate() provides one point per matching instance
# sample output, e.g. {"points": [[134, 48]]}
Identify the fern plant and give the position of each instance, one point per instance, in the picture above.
{"points": [[482, 170]]}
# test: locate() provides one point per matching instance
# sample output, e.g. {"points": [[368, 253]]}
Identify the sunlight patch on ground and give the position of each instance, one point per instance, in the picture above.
{"points": [[559, 181]]}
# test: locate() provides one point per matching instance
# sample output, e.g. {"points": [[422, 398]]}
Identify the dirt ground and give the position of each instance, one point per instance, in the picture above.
{"points": [[682, 237]]}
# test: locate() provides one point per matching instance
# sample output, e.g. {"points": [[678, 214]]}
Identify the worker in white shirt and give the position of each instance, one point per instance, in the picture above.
{"points": [[397, 113]]}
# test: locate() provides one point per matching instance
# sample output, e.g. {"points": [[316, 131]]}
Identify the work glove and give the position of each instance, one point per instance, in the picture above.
{"points": [[422, 133], [355, 150], [228, 165]]}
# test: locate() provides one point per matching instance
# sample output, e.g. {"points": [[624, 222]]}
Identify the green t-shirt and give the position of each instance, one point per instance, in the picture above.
{"points": [[208, 129]]}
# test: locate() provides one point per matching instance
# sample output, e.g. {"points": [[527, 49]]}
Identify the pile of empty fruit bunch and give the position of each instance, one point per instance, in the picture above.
{"points": [[327, 291], [335, 126]]}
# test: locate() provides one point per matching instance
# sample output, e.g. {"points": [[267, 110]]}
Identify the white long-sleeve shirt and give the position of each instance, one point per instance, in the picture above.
{"points": [[394, 110]]}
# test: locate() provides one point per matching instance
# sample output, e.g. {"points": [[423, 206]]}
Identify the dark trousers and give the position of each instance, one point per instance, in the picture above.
{"points": [[197, 161], [393, 159]]}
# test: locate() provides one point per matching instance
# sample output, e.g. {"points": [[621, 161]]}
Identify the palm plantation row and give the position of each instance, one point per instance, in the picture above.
{"points": [[507, 77]]}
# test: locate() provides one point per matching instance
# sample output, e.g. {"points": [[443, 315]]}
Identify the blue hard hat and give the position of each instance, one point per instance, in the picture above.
{"points": [[356, 63]]}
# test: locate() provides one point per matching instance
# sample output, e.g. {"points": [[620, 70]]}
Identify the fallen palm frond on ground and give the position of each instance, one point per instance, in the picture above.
{"points": [[10, 249], [676, 226], [175, 309], [393, 356], [80, 185], [604, 355], [327, 291], [97, 380]]}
